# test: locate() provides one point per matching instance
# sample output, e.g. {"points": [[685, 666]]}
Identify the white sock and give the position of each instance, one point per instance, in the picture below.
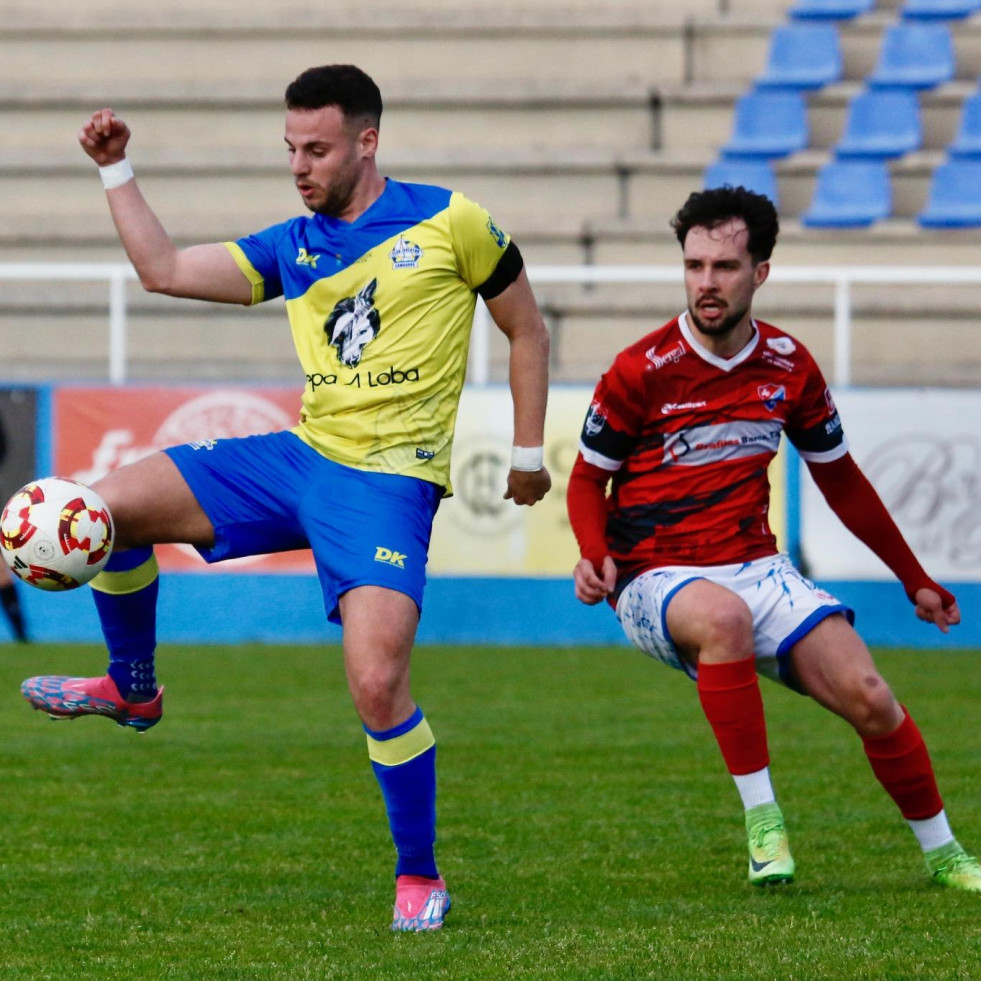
{"points": [[933, 832], [755, 788]]}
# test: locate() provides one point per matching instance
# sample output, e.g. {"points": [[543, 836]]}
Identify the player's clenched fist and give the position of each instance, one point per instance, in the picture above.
{"points": [[592, 584], [104, 137]]}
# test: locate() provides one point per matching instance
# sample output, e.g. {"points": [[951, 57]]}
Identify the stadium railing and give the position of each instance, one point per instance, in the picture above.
{"points": [[841, 278]]}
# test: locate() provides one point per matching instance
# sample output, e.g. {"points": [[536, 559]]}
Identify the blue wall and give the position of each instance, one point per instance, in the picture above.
{"points": [[210, 608]]}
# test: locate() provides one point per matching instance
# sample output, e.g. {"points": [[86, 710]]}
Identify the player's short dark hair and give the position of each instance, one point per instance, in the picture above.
{"points": [[345, 86], [717, 205]]}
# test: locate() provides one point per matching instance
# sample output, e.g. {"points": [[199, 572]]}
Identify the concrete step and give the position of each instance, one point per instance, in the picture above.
{"points": [[205, 199], [231, 65], [894, 242], [558, 117], [373, 15], [198, 200]]}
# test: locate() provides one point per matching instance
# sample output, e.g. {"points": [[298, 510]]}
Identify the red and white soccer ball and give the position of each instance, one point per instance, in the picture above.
{"points": [[56, 533]]}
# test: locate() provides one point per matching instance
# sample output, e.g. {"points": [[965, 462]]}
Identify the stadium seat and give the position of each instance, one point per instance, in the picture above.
{"points": [[802, 56], [850, 194], [881, 123], [967, 142], [939, 9], [754, 175], [768, 123], [914, 55], [954, 200], [830, 9]]}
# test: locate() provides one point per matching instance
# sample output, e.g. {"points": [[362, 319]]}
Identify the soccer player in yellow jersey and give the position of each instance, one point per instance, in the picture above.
{"points": [[380, 283]]}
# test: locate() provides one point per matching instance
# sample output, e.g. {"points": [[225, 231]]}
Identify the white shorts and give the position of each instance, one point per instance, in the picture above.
{"points": [[785, 607]]}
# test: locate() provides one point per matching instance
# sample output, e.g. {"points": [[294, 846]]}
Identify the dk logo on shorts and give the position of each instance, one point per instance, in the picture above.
{"points": [[389, 557]]}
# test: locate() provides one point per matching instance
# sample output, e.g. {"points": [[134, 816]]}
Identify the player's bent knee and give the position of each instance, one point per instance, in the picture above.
{"points": [[728, 626], [873, 709]]}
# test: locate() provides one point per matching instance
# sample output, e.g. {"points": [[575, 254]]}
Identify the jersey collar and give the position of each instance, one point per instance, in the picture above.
{"points": [[725, 364]]}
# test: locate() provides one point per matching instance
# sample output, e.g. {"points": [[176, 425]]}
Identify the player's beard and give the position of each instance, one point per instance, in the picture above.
{"points": [[723, 327], [337, 197]]}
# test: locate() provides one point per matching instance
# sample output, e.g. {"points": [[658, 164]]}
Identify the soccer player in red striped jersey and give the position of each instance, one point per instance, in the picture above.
{"points": [[684, 425]]}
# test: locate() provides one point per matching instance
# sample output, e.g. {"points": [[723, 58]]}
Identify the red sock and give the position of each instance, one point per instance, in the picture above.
{"points": [[902, 765], [731, 701]]}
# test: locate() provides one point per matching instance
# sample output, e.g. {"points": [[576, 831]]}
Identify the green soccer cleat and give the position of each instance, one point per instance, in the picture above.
{"points": [[951, 866], [770, 861]]}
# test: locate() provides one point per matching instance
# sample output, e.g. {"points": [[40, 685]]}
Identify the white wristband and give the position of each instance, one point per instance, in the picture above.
{"points": [[528, 458], [117, 174]]}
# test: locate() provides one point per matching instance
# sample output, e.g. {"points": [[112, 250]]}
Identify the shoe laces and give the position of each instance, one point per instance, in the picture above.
{"points": [[961, 864], [768, 838]]}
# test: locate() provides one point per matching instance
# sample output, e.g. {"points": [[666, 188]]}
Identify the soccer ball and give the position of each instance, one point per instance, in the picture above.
{"points": [[56, 533]]}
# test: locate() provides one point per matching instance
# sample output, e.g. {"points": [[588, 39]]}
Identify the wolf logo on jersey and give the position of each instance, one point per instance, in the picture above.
{"points": [[352, 323]]}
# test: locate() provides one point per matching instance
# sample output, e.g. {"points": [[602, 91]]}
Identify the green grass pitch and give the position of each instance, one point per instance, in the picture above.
{"points": [[587, 828]]}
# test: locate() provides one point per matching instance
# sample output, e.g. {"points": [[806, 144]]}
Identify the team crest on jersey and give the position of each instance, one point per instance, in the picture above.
{"points": [[303, 258], [771, 395], [496, 233], [782, 345], [595, 419], [830, 402], [353, 324], [405, 254], [673, 356]]}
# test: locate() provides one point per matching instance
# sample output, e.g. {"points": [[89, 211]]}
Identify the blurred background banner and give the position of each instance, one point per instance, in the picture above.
{"points": [[477, 532], [101, 429], [921, 449]]}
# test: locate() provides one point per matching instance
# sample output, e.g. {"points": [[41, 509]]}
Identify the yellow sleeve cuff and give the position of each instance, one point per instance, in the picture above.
{"points": [[248, 270]]}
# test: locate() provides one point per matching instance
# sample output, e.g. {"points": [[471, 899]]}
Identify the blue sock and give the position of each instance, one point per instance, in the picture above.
{"points": [[126, 600], [404, 761]]}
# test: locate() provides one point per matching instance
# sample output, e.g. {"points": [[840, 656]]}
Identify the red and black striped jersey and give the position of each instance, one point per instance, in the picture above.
{"points": [[688, 436]]}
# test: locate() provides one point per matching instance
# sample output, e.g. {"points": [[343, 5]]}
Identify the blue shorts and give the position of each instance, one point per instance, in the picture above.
{"points": [[273, 493]]}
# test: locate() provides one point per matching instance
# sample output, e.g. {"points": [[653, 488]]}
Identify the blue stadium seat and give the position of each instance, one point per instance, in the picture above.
{"points": [[830, 9], [954, 200], [768, 123], [753, 174], [881, 123], [967, 142], [914, 55], [850, 194], [939, 9], [802, 56]]}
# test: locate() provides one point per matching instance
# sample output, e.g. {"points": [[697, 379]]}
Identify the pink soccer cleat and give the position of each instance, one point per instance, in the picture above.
{"points": [[420, 903], [69, 698]]}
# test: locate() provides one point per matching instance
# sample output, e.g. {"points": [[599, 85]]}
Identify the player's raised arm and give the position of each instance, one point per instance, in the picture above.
{"points": [[516, 313], [202, 272]]}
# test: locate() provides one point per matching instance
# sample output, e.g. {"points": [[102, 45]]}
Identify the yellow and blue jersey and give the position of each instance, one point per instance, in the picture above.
{"points": [[381, 310]]}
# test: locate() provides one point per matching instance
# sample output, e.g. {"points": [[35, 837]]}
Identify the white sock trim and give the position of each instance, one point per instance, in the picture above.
{"points": [[755, 788], [933, 832]]}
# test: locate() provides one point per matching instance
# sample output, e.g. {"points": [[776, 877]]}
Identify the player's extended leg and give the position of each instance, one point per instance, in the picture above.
{"points": [[150, 502], [379, 630], [713, 629], [833, 665]]}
